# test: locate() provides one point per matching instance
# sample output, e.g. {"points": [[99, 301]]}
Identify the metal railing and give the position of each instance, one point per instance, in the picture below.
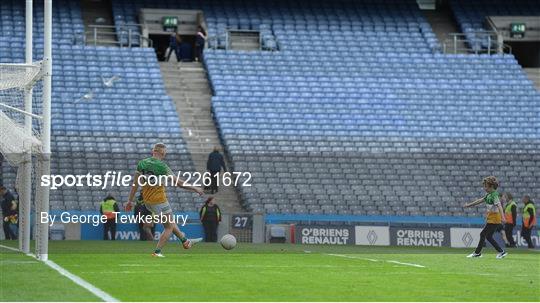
{"points": [[479, 42], [122, 36]]}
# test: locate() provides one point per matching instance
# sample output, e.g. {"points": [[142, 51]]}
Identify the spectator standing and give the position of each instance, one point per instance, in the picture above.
{"points": [[210, 217], [214, 165], [9, 212], [529, 220], [200, 41], [510, 213], [109, 208], [174, 40], [185, 52]]}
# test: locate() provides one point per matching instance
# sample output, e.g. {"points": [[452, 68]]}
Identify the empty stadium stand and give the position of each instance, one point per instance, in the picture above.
{"points": [[116, 126], [368, 118], [66, 22], [355, 111], [394, 151]]}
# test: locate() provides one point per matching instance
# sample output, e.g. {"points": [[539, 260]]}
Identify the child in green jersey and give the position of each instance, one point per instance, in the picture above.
{"points": [[494, 217]]}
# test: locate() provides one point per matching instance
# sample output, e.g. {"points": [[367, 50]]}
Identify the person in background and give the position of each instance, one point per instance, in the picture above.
{"points": [[510, 214], [185, 53], [214, 165], [109, 208], [529, 220], [200, 40], [146, 229], [173, 46], [9, 212], [210, 215]]}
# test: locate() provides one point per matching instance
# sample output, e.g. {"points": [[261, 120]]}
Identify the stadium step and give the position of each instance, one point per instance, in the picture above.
{"points": [[192, 87], [187, 84], [534, 75], [98, 13], [442, 22]]}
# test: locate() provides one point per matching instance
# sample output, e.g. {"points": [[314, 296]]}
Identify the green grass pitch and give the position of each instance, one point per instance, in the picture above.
{"points": [[270, 272]]}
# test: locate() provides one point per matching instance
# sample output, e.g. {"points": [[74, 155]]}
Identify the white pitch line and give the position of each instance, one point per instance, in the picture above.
{"points": [[76, 279], [17, 250], [353, 257], [19, 262], [79, 281], [407, 264], [10, 248], [374, 260]]}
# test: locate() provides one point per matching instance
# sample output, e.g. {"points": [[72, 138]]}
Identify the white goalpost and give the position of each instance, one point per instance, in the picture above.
{"points": [[25, 131]]}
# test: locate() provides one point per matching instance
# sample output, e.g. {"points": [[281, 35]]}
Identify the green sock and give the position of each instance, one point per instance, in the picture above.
{"points": [[183, 239], [157, 251]]}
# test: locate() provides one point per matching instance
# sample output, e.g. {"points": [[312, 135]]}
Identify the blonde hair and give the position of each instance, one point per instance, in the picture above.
{"points": [[491, 181], [159, 145], [159, 149]]}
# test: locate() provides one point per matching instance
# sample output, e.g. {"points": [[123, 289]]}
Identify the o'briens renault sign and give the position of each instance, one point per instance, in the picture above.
{"points": [[394, 236], [419, 236], [337, 235]]}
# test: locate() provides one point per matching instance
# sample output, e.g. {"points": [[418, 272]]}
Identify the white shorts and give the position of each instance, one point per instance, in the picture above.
{"points": [[158, 209]]}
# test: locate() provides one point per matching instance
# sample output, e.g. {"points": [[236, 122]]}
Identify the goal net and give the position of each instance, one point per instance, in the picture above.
{"points": [[21, 148]]}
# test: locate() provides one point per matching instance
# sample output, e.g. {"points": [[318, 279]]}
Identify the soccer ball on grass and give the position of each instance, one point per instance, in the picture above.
{"points": [[228, 242]]}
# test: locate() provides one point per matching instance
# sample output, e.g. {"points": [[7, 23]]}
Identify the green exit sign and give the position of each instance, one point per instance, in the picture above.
{"points": [[170, 23], [517, 29]]}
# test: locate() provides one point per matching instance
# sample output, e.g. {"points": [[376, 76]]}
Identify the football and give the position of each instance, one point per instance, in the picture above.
{"points": [[228, 242]]}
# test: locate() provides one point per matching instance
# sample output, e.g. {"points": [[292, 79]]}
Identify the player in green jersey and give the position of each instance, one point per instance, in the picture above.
{"points": [[494, 217], [155, 197]]}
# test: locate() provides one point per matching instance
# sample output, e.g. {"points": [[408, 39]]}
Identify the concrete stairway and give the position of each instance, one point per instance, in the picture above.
{"points": [[98, 12], [187, 85], [442, 22], [534, 75]]}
